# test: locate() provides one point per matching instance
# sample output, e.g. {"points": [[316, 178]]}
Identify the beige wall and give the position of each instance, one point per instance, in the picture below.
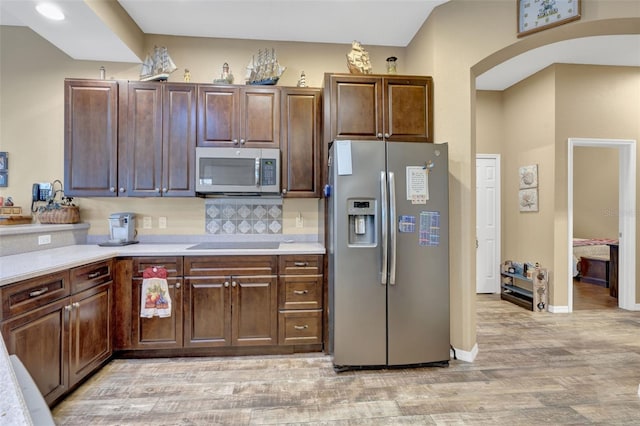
{"points": [[489, 122], [595, 192], [460, 40]]}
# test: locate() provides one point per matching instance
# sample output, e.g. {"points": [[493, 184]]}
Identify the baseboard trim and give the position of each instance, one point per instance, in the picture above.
{"points": [[558, 309], [467, 356]]}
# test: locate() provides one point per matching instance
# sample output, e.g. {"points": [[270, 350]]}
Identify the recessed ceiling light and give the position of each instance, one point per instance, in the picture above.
{"points": [[51, 11]]}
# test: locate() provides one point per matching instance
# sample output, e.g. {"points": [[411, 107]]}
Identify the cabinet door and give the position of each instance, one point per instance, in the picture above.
{"points": [[179, 140], [207, 307], [90, 331], [408, 111], [143, 141], [301, 115], [218, 116], [260, 117], [355, 106], [156, 332], [40, 341], [254, 310], [91, 138]]}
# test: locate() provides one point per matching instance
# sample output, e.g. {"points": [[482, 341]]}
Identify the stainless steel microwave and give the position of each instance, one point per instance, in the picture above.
{"points": [[237, 170]]}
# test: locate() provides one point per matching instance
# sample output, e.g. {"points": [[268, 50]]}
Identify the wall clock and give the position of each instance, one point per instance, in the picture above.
{"points": [[538, 15]]}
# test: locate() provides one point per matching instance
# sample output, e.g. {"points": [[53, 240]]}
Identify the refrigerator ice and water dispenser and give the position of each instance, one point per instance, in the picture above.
{"points": [[362, 222]]}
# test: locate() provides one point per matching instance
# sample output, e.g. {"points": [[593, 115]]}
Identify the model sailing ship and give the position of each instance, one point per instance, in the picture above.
{"points": [[158, 66], [266, 71]]}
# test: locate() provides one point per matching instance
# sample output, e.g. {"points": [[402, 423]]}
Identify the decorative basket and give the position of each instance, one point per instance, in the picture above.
{"points": [[59, 215]]}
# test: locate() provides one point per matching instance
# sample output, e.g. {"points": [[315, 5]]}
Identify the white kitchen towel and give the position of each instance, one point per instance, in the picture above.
{"points": [[154, 298]]}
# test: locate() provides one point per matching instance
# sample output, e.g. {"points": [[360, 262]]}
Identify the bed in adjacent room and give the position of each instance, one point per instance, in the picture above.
{"points": [[591, 260]]}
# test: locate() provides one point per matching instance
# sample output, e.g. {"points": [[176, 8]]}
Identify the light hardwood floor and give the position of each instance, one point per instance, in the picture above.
{"points": [[532, 369]]}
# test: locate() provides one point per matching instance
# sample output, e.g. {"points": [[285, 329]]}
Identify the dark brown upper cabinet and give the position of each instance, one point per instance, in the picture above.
{"points": [[376, 107], [90, 138], [158, 139], [300, 147], [239, 116]]}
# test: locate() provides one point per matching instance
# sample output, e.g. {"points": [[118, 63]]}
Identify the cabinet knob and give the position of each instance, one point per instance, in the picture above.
{"points": [[121, 189], [235, 141], [112, 189], [379, 135], [242, 141], [68, 308], [301, 327], [284, 191], [386, 135], [300, 291], [157, 190], [76, 305], [164, 190], [233, 283], [226, 283], [177, 285]]}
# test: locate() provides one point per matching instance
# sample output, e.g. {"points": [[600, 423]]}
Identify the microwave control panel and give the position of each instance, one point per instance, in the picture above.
{"points": [[269, 171]]}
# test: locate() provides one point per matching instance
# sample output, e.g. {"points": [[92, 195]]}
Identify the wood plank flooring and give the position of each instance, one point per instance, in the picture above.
{"points": [[532, 368]]}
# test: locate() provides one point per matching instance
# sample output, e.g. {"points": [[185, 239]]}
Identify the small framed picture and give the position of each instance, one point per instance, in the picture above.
{"points": [[4, 162], [528, 200], [528, 176], [4, 176]]}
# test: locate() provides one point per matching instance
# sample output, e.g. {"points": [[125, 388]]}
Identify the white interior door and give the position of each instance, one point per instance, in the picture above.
{"points": [[487, 223]]}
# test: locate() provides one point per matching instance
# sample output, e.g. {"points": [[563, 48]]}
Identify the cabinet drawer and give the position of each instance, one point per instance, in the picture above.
{"points": [[218, 266], [88, 276], [172, 264], [300, 292], [300, 327], [304, 264], [29, 294]]}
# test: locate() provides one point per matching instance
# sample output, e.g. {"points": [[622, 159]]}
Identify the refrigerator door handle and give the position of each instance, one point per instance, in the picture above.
{"points": [[385, 237], [392, 227]]}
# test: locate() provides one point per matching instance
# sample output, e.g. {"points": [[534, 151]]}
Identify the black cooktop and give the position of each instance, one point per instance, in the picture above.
{"points": [[221, 245]]}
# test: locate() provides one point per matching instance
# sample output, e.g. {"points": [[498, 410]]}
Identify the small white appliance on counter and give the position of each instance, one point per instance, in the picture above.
{"points": [[122, 230]]}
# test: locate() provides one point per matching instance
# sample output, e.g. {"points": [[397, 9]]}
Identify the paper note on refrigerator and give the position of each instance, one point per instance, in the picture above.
{"points": [[343, 151], [417, 184]]}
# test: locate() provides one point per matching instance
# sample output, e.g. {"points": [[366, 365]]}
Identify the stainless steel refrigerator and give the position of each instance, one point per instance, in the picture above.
{"points": [[388, 254]]}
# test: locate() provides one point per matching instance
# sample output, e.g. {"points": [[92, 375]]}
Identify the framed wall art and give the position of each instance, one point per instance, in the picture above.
{"points": [[528, 200], [538, 15], [4, 169], [528, 176]]}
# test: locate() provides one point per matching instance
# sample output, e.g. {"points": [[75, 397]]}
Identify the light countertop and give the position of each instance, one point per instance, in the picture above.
{"points": [[18, 267]]}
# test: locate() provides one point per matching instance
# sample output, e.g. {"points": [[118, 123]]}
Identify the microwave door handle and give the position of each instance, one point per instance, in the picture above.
{"points": [[257, 171]]}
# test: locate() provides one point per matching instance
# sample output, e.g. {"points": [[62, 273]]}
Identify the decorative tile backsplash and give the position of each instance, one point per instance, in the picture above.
{"points": [[243, 216]]}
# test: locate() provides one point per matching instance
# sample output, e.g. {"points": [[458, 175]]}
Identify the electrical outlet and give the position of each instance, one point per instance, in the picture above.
{"points": [[146, 222], [44, 239], [299, 221], [162, 222]]}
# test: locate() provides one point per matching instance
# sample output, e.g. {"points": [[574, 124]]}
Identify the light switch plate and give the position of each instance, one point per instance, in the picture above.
{"points": [[162, 222]]}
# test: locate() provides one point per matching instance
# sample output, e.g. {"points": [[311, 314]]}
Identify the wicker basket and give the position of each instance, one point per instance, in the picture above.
{"points": [[64, 214]]}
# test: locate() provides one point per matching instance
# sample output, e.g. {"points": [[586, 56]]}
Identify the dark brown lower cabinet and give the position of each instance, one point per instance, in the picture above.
{"points": [[41, 342], [89, 323], [155, 332], [231, 301], [64, 341]]}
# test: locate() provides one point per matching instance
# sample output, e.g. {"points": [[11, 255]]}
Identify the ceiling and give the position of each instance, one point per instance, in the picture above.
{"points": [[84, 36]]}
